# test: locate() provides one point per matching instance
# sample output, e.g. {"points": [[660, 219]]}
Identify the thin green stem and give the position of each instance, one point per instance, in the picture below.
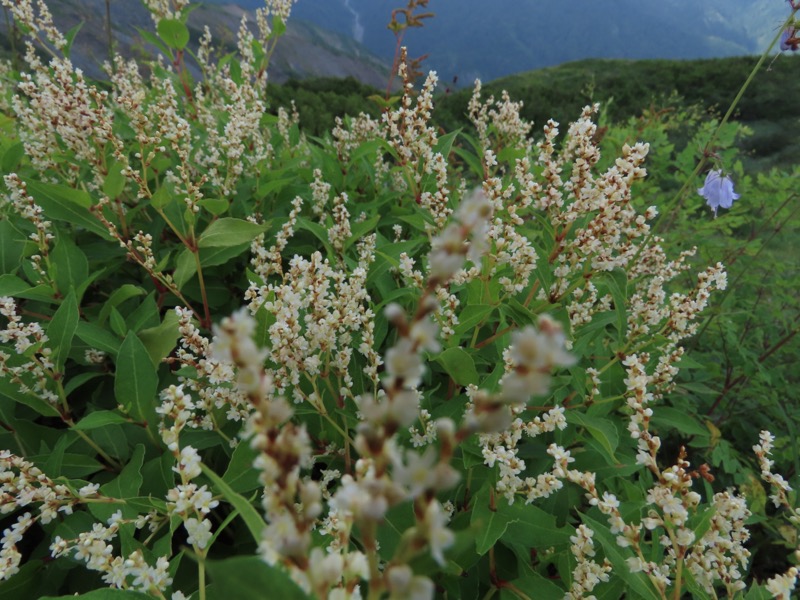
{"points": [[201, 575], [201, 281], [490, 593]]}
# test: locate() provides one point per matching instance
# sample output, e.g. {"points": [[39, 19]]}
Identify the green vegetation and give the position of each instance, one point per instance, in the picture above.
{"points": [[320, 100], [425, 357], [623, 88]]}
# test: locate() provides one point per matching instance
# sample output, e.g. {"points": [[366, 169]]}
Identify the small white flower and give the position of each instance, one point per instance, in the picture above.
{"points": [[199, 532]]}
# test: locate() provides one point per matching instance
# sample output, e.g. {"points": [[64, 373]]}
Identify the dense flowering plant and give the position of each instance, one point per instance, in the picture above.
{"points": [[394, 362]]}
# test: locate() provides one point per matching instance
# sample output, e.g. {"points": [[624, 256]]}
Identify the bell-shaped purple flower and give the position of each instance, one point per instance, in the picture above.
{"points": [[789, 39], [718, 191]]}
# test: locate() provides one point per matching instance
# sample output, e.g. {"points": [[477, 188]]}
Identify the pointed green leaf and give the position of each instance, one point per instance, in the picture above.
{"points": [[12, 246], [66, 204], [250, 577], [241, 475], [62, 329], [458, 363], [174, 33], [120, 295], [11, 390], [602, 430], [71, 269], [136, 380], [98, 337], [230, 232], [490, 517], [254, 522], [161, 340], [99, 418]]}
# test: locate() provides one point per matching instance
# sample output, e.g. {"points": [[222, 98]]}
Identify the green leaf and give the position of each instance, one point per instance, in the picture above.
{"points": [[117, 322], [125, 486], [72, 465], [11, 390], [254, 522], [317, 230], [216, 206], [24, 583], [758, 592], [241, 475], [230, 232], [359, 230], [445, 143], [78, 380], [151, 38], [70, 38], [120, 295], [535, 528], [130, 480], [678, 420], [545, 589], [471, 316], [12, 157], [174, 33], [616, 282], [11, 285], [115, 181], [114, 441], [278, 27], [490, 517], [62, 329], [185, 268], [98, 337], [602, 430], [12, 246], [161, 197], [136, 380], [458, 363], [702, 523], [161, 340], [67, 204], [250, 577], [99, 418], [71, 269]]}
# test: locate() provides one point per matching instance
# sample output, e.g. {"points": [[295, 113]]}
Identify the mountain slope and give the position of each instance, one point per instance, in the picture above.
{"points": [[307, 50], [474, 38]]}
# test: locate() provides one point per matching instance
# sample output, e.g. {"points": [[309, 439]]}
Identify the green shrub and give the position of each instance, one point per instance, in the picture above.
{"points": [[389, 362]]}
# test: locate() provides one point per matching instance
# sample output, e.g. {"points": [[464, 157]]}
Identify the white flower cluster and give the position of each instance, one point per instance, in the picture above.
{"points": [[503, 116], [780, 487], [319, 311], [587, 573], [212, 383], [32, 368], [94, 547], [59, 111], [165, 9], [25, 206], [37, 19], [23, 485]]}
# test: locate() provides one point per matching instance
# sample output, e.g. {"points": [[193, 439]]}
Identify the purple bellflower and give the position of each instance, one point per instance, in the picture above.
{"points": [[789, 39], [718, 191]]}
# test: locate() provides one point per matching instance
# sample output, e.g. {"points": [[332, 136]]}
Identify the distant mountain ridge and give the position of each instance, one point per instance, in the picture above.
{"points": [[306, 50], [475, 38]]}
